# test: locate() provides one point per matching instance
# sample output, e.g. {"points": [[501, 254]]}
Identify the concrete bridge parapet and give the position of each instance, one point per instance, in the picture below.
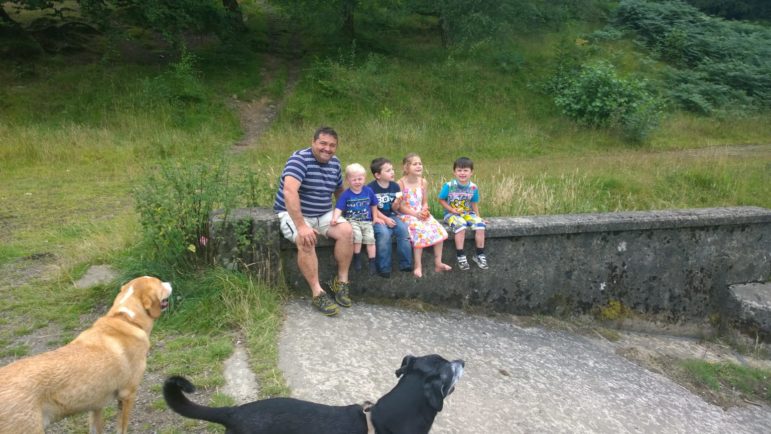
{"points": [[679, 263]]}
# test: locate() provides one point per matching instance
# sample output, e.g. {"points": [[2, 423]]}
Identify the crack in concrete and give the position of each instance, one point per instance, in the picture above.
{"points": [[240, 382]]}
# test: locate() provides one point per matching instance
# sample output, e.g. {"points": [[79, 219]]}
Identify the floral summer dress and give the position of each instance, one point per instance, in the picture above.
{"points": [[423, 233]]}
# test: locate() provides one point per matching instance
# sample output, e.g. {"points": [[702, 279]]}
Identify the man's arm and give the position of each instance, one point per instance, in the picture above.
{"points": [[305, 234]]}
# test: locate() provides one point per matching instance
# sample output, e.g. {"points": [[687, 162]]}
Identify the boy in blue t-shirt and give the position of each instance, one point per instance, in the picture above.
{"points": [[387, 224], [460, 199], [358, 205]]}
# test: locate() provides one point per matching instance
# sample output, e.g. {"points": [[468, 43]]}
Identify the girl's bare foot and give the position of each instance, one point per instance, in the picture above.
{"points": [[442, 267], [417, 272]]}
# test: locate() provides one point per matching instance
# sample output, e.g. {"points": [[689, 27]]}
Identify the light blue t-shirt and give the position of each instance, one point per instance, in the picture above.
{"points": [[459, 196]]}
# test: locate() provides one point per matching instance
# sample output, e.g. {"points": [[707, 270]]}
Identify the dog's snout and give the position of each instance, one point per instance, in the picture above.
{"points": [[457, 368]]}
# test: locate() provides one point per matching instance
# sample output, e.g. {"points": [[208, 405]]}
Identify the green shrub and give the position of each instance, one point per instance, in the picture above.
{"points": [[694, 92], [612, 311], [717, 64], [641, 120], [174, 202], [735, 9], [179, 85], [598, 97]]}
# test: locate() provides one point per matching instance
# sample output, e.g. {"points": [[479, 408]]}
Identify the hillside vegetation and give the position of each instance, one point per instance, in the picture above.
{"points": [[118, 121], [572, 106]]}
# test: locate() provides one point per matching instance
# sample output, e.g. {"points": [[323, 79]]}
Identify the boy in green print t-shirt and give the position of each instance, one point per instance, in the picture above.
{"points": [[460, 199]]}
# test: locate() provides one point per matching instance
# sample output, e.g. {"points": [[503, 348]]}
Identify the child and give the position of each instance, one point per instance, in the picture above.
{"points": [[387, 223], [358, 204], [424, 230], [460, 199]]}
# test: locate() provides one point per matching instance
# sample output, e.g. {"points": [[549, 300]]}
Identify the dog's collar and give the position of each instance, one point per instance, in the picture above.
{"points": [[366, 407]]}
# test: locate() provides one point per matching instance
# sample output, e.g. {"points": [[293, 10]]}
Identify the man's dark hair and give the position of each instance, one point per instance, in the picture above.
{"points": [[377, 164], [324, 130], [463, 163]]}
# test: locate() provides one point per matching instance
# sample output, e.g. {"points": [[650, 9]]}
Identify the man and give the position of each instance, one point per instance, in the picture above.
{"points": [[304, 205]]}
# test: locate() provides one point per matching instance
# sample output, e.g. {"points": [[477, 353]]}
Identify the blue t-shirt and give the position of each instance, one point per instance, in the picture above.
{"points": [[459, 196], [357, 206], [386, 196], [317, 183]]}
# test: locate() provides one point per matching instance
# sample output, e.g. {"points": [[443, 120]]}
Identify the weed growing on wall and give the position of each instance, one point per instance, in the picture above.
{"points": [[176, 199], [174, 203]]}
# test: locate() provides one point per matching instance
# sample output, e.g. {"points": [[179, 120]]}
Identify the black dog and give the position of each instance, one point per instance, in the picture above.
{"points": [[409, 408]]}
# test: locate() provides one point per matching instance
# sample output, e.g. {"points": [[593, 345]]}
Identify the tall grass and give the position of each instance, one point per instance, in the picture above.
{"points": [[529, 159]]}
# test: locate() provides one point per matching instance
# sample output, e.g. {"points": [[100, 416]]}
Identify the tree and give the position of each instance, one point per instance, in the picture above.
{"points": [[735, 9], [169, 18], [334, 16]]}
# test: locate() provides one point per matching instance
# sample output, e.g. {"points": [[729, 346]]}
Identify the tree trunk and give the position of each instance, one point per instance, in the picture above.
{"points": [[235, 16], [444, 29], [347, 13]]}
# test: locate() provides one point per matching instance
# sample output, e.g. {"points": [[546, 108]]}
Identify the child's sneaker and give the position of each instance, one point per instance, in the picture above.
{"points": [[481, 261], [463, 263]]}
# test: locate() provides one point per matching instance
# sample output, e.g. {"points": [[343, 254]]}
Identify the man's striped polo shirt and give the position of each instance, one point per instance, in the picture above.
{"points": [[317, 183]]}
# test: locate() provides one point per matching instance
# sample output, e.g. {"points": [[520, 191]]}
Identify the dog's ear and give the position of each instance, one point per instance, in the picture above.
{"points": [[151, 304], [407, 362], [434, 393]]}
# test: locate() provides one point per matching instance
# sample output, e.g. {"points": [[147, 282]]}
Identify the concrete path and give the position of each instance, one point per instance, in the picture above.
{"points": [[517, 380]]}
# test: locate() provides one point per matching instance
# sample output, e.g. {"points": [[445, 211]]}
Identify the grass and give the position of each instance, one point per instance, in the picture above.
{"points": [[749, 383]]}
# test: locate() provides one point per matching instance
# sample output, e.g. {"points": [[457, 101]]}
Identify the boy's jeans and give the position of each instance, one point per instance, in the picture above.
{"points": [[403, 247]]}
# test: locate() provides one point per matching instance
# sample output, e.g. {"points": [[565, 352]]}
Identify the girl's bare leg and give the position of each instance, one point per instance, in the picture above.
{"points": [[439, 266], [417, 270]]}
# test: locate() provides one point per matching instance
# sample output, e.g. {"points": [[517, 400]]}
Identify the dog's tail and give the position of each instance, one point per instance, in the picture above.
{"points": [[177, 401]]}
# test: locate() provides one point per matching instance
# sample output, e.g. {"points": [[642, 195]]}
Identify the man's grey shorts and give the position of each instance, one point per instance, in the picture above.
{"points": [[321, 224], [363, 232]]}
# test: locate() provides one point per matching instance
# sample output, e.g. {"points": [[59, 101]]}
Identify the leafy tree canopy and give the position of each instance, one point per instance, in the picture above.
{"points": [[39, 18]]}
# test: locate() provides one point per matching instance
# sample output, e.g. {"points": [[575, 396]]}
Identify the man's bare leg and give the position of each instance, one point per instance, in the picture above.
{"points": [[309, 267], [343, 236]]}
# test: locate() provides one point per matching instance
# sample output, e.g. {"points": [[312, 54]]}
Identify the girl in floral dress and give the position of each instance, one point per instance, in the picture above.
{"points": [[424, 230]]}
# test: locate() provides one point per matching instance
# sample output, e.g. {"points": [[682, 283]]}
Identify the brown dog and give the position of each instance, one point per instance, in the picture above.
{"points": [[103, 363]]}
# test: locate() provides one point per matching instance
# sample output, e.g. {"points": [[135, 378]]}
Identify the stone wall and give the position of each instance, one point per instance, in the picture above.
{"points": [[678, 262]]}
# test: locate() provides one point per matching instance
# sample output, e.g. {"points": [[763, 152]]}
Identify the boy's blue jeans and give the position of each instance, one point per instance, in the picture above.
{"points": [[383, 236]]}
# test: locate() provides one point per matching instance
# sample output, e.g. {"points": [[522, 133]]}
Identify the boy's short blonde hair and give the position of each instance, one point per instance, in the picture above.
{"points": [[355, 169]]}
